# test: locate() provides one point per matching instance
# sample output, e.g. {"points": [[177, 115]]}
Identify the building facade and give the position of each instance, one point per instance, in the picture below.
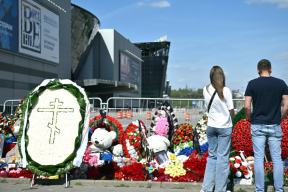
{"points": [[110, 67], [155, 61], [31, 53]]}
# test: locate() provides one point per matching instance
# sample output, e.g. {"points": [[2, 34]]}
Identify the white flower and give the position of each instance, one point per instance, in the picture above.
{"points": [[238, 174], [41, 149], [247, 176], [232, 159], [237, 157], [236, 165]]}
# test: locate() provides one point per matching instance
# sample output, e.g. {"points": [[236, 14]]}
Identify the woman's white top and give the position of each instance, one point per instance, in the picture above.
{"points": [[219, 115]]}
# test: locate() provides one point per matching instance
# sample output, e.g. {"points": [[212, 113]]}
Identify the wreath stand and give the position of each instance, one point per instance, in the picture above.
{"points": [[66, 181]]}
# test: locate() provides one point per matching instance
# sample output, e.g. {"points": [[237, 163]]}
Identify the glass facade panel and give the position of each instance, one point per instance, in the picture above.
{"points": [[155, 56]]}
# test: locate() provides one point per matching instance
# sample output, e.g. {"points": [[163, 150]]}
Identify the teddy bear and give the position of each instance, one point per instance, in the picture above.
{"points": [[118, 154], [158, 143], [102, 140]]}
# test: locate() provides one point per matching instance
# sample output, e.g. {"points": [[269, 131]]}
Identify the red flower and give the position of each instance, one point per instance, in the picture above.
{"points": [[234, 170], [242, 167], [231, 165], [245, 172]]}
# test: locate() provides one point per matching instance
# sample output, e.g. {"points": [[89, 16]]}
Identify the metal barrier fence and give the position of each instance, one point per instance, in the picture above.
{"points": [[186, 110], [9, 109]]}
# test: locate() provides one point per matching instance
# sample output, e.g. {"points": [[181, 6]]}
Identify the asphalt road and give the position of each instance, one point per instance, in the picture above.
{"points": [[59, 188]]}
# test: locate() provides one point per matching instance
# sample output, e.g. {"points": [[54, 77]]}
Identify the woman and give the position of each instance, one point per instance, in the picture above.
{"points": [[219, 130]]}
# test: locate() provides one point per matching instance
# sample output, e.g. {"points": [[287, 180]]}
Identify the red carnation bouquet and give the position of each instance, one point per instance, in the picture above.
{"points": [[284, 142], [183, 138], [132, 140], [241, 137]]}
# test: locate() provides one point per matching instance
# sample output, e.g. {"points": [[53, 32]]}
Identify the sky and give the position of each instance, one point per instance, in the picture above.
{"points": [[233, 34]]}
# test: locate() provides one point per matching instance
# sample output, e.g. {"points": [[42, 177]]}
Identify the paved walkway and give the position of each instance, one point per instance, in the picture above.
{"points": [[5, 187]]}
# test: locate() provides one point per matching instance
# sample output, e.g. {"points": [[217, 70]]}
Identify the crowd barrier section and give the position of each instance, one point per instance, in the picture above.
{"points": [[186, 110]]}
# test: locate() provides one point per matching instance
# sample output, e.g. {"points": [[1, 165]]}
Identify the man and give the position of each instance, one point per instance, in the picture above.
{"points": [[266, 93]]}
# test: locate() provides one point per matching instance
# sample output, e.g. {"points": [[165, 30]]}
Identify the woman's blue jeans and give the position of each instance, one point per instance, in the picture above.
{"points": [[217, 168], [274, 135]]}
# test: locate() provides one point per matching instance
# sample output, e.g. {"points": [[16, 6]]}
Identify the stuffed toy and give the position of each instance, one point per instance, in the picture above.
{"points": [[158, 143], [117, 150], [102, 140], [118, 154], [93, 160]]}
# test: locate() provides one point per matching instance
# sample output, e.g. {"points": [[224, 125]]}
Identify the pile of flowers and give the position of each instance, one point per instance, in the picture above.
{"points": [[113, 124], [238, 168], [175, 169], [160, 125], [15, 173], [241, 137], [132, 140], [196, 166], [183, 138]]}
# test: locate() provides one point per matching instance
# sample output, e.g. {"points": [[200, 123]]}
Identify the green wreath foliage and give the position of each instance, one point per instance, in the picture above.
{"points": [[32, 97]]}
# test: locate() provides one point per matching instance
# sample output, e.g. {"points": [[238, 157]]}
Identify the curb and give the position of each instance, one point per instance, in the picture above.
{"points": [[134, 184]]}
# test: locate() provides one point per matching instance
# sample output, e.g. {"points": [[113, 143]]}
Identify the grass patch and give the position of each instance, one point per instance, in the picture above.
{"points": [[149, 186], [78, 183], [3, 181], [241, 190], [121, 185], [180, 187]]}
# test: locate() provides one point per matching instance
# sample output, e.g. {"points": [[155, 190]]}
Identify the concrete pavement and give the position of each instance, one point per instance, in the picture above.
{"points": [[13, 184]]}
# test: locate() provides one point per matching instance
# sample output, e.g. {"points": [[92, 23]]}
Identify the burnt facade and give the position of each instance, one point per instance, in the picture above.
{"points": [[154, 67]]}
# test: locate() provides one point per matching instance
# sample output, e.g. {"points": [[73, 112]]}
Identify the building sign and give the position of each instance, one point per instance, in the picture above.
{"points": [[130, 70], [38, 31], [9, 24]]}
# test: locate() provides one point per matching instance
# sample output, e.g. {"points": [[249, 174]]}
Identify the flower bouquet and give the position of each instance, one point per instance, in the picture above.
{"points": [[183, 138], [175, 169], [284, 142], [201, 130], [132, 140], [239, 169], [241, 137], [160, 123]]}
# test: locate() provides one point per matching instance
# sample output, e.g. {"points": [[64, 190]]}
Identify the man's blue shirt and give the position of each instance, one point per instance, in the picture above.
{"points": [[266, 93]]}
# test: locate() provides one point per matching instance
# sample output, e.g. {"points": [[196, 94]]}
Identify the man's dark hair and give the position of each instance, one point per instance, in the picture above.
{"points": [[264, 65]]}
